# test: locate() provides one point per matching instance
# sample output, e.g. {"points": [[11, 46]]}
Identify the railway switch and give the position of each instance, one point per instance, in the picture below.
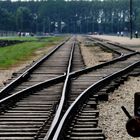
{"points": [[137, 104], [133, 123]]}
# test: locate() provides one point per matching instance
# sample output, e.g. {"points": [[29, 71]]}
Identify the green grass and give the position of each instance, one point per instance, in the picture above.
{"points": [[12, 55], [32, 38], [19, 38]]}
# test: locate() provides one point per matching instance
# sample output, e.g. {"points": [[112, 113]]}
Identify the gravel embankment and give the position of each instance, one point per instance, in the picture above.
{"points": [[112, 119]]}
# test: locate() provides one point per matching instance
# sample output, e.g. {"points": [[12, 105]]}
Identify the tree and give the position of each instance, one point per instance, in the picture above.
{"points": [[5, 19], [75, 16], [23, 19]]}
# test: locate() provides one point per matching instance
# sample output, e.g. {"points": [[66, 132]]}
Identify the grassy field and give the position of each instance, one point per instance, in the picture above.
{"points": [[12, 55], [20, 38], [53, 38]]}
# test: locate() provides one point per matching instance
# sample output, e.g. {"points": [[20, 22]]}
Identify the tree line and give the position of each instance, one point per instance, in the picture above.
{"points": [[75, 16]]}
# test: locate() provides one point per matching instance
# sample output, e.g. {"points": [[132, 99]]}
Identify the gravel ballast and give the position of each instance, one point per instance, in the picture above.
{"points": [[93, 55], [125, 41], [112, 119]]}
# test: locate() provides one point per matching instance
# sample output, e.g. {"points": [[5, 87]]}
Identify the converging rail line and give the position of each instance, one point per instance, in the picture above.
{"points": [[112, 46], [98, 78], [50, 66], [30, 113], [77, 129], [61, 103]]}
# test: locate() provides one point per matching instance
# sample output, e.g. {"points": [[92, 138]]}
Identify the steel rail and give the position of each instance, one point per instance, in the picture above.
{"points": [[18, 95], [52, 129], [72, 75], [89, 69], [61, 105], [27, 73], [60, 78], [121, 46], [111, 43], [84, 96], [102, 45]]}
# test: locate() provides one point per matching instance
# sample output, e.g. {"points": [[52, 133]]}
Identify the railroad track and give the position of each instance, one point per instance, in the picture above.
{"points": [[50, 66], [63, 106], [26, 115], [100, 78], [115, 47]]}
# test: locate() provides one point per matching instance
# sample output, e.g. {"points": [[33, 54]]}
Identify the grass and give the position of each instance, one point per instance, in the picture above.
{"points": [[19, 38], [12, 55], [54, 38]]}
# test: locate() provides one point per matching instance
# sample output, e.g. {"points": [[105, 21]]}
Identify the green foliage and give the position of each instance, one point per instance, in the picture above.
{"points": [[23, 19], [82, 16], [5, 19]]}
